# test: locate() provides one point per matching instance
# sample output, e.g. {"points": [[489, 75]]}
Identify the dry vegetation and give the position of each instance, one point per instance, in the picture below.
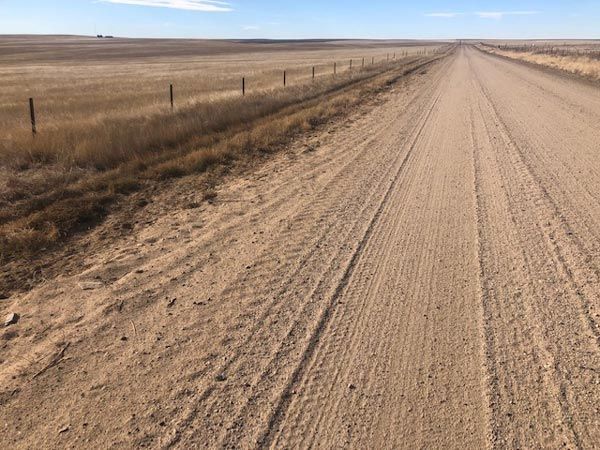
{"points": [[581, 58], [106, 128]]}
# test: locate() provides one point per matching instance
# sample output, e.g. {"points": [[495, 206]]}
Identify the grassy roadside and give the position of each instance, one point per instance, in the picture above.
{"points": [[37, 223], [583, 64]]}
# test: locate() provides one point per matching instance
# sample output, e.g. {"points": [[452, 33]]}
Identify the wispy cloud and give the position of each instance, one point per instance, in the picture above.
{"points": [[251, 28], [498, 15], [190, 5], [447, 15]]}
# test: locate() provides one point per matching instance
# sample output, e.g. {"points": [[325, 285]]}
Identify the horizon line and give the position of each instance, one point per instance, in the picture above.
{"points": [[470, 38]]}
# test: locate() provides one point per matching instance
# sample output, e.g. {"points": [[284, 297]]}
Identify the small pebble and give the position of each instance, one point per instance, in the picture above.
{"points": [[11, 319]]}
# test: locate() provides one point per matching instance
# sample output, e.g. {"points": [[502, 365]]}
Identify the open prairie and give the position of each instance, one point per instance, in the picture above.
{"points": [[83, 87], [401, 256]]}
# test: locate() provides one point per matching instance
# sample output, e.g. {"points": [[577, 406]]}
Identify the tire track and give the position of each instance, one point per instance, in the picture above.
{"points": [[556, 213], [503, 394], [300, 369], [397, 341], [491, 358], [529, 204]]}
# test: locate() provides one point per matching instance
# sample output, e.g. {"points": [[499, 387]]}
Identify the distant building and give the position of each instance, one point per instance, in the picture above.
{"points": [[99, 36]]}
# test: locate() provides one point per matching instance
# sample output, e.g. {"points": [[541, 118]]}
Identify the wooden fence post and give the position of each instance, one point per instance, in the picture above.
{"points": [[334, 68], [350, 64], [284, 78], [372, 60], [313, 74], [243, 85], [171, 93], [32, 114], [363, 63]]}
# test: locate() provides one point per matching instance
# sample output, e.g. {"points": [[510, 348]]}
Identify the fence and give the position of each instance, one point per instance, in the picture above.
{"points": [[536, 48], [312, 71]]}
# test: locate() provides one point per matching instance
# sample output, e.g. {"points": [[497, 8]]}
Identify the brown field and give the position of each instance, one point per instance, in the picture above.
{"points": [[104, 121], [405, 257], [577, 57], [87, 106]]}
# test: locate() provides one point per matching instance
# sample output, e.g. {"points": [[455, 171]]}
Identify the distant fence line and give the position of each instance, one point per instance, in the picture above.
{"points": [[32, 111], [549, 49]]}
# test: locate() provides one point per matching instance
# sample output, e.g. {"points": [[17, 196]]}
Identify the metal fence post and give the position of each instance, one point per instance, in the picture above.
{"points": [[32, 114]]}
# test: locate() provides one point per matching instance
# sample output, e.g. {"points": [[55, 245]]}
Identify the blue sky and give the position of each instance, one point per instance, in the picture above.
{"points": [[429, 19]]}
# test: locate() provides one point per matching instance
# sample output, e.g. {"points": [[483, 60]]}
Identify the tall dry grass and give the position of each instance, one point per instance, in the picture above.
{"points": [[88, 110], [580, 61]]}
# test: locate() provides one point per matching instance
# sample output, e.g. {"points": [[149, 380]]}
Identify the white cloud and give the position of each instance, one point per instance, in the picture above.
{"points": [[190, 5], [251, 28], [497, 15], [447, 15]]}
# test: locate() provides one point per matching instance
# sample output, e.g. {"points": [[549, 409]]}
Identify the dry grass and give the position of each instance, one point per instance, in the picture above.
{"points": [[583, 59], [91, 113], [105, 143]]}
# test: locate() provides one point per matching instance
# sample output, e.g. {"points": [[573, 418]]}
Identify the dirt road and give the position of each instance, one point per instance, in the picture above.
{"points": [[422, 275]]}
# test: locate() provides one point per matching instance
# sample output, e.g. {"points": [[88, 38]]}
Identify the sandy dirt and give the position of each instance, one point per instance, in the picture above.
{"points": [[424, 274]]}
